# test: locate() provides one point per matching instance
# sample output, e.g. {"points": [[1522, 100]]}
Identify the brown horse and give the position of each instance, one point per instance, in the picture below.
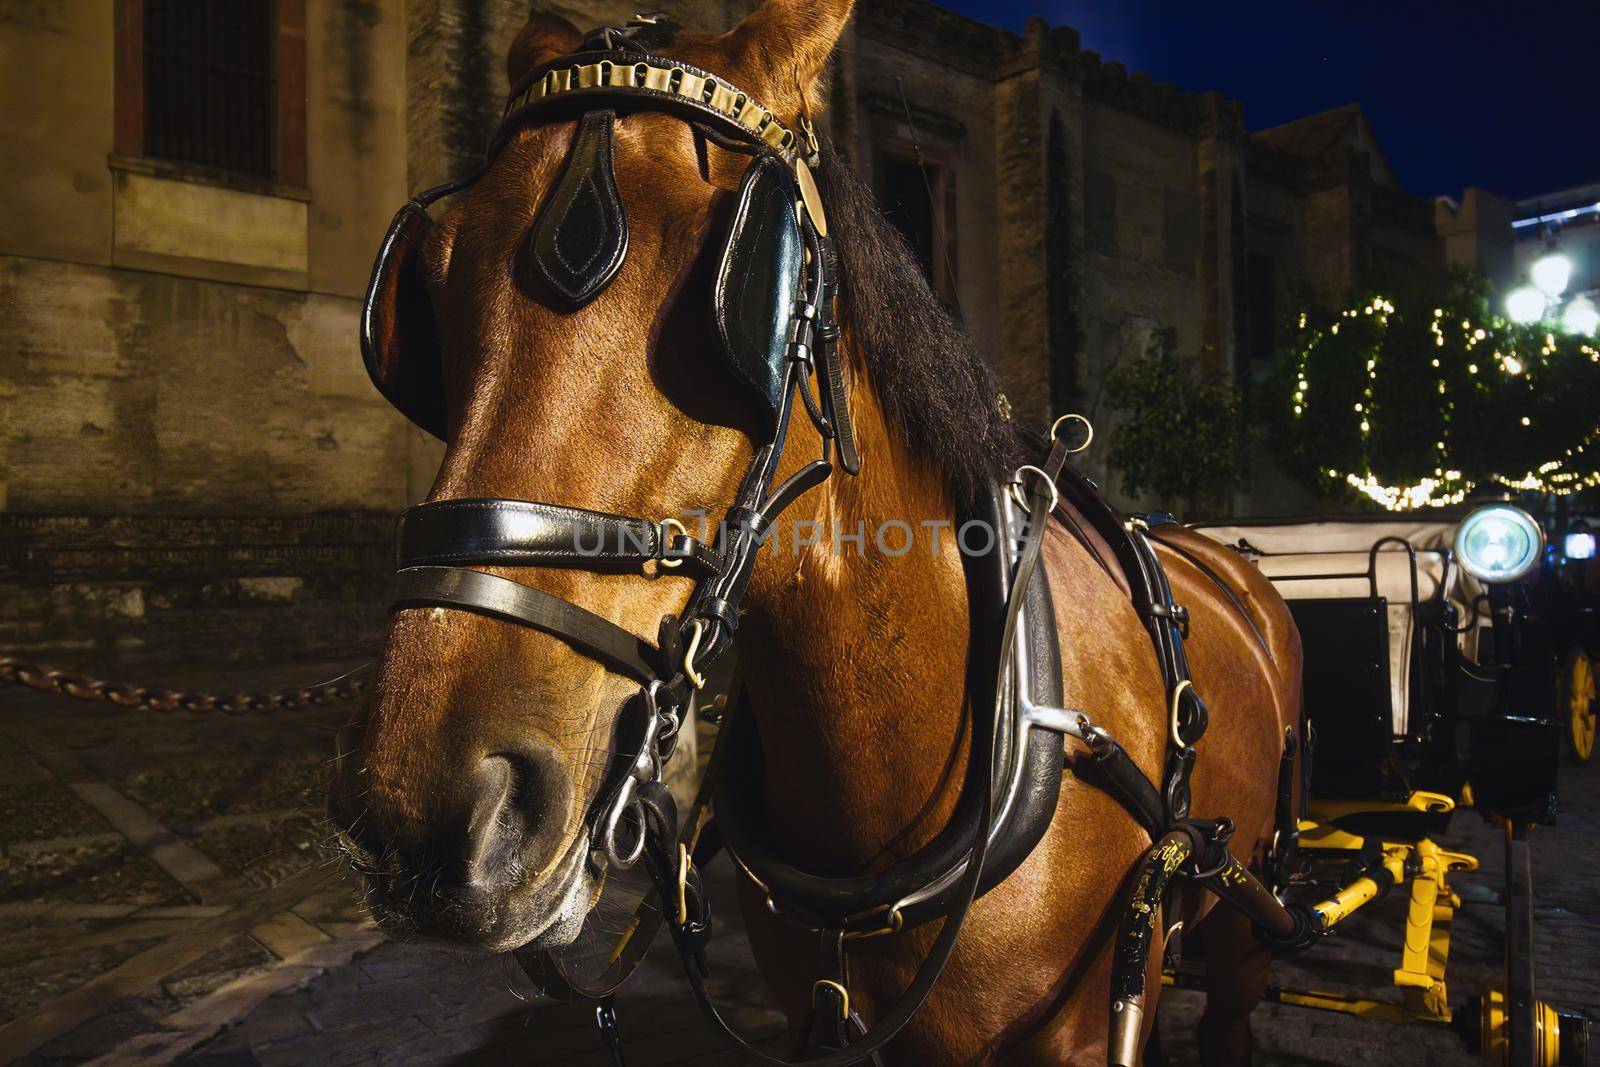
{"points": [[465, 779]]}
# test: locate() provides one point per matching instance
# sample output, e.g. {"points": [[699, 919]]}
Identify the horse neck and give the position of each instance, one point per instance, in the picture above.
{"points": [[854, 660]]}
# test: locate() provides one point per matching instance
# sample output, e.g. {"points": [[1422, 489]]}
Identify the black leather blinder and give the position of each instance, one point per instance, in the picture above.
{"points": [[399, 335], [758, 279], [580, 238]]}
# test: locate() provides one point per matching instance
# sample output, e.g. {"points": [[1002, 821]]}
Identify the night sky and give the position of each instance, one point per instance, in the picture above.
{"points": [[1505, 96]]}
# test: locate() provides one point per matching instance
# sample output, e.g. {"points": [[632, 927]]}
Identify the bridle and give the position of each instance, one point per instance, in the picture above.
{"points": [[438, 542], [773, 304], [782, 342]]}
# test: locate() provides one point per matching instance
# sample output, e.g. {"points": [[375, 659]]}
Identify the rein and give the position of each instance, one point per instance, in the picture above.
{"points": [[773, 304]]}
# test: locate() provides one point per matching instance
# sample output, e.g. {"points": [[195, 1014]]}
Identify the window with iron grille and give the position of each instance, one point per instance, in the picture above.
{"points": [[210, 84]]}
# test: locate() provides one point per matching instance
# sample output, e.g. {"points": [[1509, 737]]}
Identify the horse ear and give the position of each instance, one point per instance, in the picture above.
{"points": [[784, 44], [547, 36]]}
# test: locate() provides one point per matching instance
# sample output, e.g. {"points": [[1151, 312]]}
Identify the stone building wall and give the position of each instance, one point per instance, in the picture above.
{"points": [[945, 82], [192, 462]]}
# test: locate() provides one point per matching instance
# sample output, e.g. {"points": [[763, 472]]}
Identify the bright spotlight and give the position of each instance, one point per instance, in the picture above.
{"points": [[1525, 305], [1578, 545], [1551, 272], [1498, 543], [1581, 317]]}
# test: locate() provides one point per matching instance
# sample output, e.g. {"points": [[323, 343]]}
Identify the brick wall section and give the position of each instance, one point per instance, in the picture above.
{"points": [[132, 392], [88, 590]]}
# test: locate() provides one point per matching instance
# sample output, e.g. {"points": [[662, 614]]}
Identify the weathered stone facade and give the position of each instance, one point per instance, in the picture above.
{"points": [[192, 462], [1096, 206]]}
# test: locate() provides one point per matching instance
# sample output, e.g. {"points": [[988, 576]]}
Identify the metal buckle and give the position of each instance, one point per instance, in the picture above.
{"points": [[683, 883], [844, 995], [1015, 486], [661, 557], [895, 923], [1177, 699]]}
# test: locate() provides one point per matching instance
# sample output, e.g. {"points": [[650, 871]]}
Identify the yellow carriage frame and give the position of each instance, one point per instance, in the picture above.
{"points": [[1398, 564], [1425, 870]]}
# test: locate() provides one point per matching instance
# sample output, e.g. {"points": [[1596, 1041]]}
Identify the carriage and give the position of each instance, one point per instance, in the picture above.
{"points": [[1433, 647]]}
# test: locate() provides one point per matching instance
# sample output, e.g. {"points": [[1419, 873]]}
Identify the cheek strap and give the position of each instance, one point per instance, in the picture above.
{"points": [[501, 598]]}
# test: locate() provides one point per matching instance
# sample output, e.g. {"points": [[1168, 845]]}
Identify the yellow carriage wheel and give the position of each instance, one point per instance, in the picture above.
{"points": [[1577, 702]]}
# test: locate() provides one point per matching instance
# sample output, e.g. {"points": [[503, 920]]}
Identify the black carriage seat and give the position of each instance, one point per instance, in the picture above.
{"points": [[1328, 559], [1371, 599]]}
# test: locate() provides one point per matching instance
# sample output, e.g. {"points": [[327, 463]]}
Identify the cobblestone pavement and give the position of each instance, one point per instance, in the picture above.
{"points": [[164, 898]]}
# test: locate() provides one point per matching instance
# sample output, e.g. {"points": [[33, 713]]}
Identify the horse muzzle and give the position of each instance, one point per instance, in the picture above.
{"points": [[503, 869]]}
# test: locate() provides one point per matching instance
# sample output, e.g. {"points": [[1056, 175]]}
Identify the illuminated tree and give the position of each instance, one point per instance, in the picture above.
{"points": [[1414, 396]]}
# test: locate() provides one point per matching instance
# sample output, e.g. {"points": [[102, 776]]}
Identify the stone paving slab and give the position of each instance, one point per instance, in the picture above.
{"points": [[139, 973], [288, 972]]}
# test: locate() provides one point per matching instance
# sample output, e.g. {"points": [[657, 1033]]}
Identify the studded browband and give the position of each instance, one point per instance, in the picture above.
{"points": [[626, 72], [661, 84]]}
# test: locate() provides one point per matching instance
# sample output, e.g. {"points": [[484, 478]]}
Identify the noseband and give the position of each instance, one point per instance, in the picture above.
{"points": [[773, 304]]}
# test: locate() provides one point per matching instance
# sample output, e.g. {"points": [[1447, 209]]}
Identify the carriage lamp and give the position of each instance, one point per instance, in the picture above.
{"points": [[1579, 542], [1498, 543]]}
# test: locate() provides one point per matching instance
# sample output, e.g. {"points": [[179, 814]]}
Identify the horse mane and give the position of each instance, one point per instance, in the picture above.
{"points": [[938, 394]]}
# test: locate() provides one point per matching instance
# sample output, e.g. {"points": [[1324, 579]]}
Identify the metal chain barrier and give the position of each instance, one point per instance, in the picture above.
{"points": [[134, 697]]}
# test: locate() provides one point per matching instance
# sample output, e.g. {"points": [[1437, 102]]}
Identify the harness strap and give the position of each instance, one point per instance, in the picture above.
{"points": [[831, 363], [1113, 771], [657, 83], [887, 1028], [522, 533], [1027, 766], [698, 842], [830, 994], [1167, 627], [1217, 580], [501, 598]]}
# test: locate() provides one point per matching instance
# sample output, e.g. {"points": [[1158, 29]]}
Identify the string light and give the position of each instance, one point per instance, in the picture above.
{"points": [[1426, 493], [1446, 486]]}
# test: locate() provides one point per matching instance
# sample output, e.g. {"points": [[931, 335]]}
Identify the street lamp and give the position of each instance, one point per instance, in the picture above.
{"points": [[1551, 272], [1581, 317], [1525, 305]]}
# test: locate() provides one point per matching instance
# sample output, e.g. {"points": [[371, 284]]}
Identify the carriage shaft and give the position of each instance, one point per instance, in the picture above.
{"points": [[1388, 872]]}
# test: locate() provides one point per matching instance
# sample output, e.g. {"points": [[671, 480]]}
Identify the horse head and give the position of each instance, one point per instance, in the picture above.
{"points": [[561, 326]]}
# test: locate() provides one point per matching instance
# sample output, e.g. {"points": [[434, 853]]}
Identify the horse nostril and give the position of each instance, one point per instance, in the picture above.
{"points": [[518, 806]]}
